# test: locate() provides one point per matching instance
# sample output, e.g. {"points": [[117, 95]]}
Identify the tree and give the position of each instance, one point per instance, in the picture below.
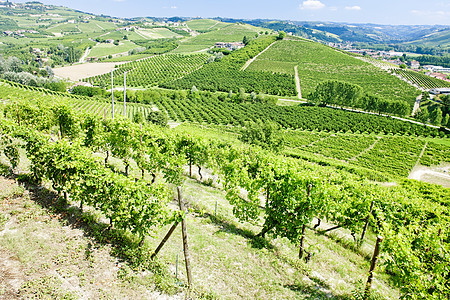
{"points": [[138, 117], [281, 35], [445, 99], [158, 118], [246, 40], [264, 134], [445, 123], [436, 116], [423, 115]]}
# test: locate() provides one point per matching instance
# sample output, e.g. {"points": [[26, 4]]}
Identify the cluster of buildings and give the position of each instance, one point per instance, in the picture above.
{"points": [[229, 46], [19, 33]]}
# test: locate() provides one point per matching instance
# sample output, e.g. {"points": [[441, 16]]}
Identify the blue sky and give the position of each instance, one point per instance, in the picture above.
{"points": [[408, 12]]}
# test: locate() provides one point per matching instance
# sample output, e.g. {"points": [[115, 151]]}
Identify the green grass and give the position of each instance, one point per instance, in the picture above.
{"points": [[230, 33], [205, 24], [53, 246], [133, 57], [105, 49], [119, 34], [317, 63], [157, 33]]}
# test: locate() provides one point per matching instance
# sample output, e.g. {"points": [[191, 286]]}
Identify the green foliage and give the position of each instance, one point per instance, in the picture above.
{"points": [[138, 117], [87, 91], [66, 120], [281, 35], [317, 63], [264, 134], [157, 117], [337, 93], [152, 71], [225, 75], [422, 80]]}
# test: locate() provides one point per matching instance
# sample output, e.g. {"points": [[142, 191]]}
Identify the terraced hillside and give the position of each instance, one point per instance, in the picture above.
{"points": [[153, 70], [317, 63]]}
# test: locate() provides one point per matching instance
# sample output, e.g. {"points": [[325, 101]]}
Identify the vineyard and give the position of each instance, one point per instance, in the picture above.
{"points": [[412, 217], [152, 71], [208, 108], [422, 80], [317, 63]]}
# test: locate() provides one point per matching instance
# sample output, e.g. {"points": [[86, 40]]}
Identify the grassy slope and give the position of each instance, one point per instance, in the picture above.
{"points": [[57, 253], [317, 63], [158, 33], [441, 39], [230, 33], [205, 24], [105, 49]]}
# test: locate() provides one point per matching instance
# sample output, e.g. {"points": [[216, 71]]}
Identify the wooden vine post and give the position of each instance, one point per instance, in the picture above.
{"points": [[367, 222], [376, 252], [165, 239], [300, 252], [185, 239]]}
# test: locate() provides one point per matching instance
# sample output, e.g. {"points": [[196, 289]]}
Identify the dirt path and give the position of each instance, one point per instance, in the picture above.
{"points": [[416, 105], [436, 175], [421, 154], [319, 140], [253, 59], [365, 150], [297, 83], [141, 34], [85, 55]]}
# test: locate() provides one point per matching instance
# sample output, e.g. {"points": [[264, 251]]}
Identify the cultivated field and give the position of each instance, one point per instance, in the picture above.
{"points": [[77, 72], [317, 63]]}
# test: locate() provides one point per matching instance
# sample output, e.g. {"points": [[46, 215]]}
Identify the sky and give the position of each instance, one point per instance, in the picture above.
{"points": [[394, 12]]}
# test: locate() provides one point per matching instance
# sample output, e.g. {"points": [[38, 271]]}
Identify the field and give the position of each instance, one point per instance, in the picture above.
{"points": [[205, 24], [317, 63], [77, 72], [103, 109], [156, 33], [105, 49], [78, 245], [119, 34], [422, 80], [230, 33], [153, 70]]}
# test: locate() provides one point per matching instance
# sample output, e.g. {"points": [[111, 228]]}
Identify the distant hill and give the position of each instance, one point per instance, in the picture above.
{"points": [[426, 35]]}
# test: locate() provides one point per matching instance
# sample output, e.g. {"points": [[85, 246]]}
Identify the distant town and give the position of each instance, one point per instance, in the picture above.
{"points": [[398, 59]]}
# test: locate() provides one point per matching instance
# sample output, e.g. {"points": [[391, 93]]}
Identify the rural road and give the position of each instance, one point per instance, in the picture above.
{"points": [[416, 104]]}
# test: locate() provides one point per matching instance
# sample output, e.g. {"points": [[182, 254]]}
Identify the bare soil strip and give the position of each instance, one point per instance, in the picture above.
{"points": [[319, 140], [365, 150], [297, 82], [253, 59], [77, 72]]}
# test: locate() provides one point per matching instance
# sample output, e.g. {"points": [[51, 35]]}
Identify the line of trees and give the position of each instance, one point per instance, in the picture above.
{"points": [[343, 94]]}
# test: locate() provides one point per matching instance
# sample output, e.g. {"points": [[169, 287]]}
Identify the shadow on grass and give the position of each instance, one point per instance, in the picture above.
{"points": [[125, 246], [309, 291], [228, 227]]}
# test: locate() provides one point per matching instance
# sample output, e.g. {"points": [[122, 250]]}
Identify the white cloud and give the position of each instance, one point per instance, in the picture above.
{"points": [[173, 7], [312, 5], [429, 13], [356, 7]]}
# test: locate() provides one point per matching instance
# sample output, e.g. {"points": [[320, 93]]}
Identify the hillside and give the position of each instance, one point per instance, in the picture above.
{"points": [[80, 238]]}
